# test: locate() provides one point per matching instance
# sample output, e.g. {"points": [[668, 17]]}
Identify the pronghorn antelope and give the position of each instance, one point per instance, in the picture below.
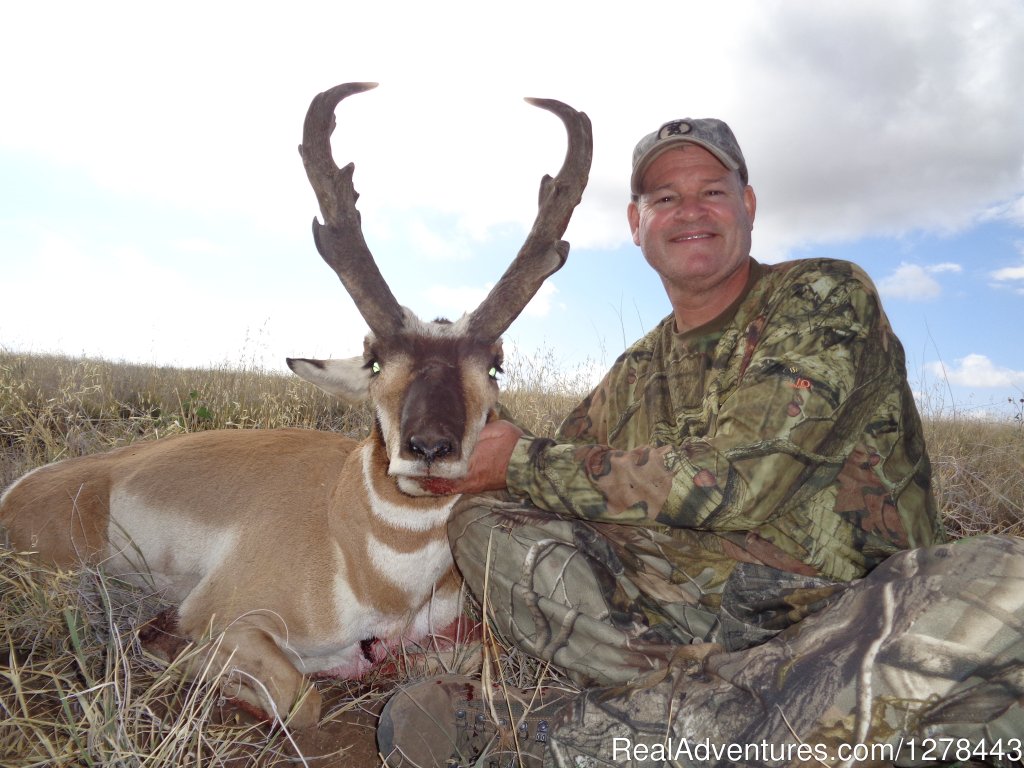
{"points": [[299, 546]]}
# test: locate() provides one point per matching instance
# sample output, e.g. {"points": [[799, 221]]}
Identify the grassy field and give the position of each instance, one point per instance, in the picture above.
{"points": [[75, 686]]}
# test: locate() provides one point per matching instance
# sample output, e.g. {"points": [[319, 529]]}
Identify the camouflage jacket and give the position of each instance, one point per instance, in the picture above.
{"points": [[783, 432]]}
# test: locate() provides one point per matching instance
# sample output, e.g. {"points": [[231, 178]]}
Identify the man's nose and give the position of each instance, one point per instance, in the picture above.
{"points": [[688, 207]]}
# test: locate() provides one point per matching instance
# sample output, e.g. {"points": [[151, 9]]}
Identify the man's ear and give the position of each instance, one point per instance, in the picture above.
{"points": [[633, 214], [750, 202]]}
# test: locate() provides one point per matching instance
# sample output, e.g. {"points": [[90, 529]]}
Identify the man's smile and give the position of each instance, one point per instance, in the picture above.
{"points": [[690, 236]]}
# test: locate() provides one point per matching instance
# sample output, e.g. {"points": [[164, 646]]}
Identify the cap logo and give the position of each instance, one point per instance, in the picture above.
{"points": [[675, 128]]}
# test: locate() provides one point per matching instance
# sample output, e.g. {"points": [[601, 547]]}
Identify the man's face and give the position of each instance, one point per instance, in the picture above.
{"points": [[693, 220]]}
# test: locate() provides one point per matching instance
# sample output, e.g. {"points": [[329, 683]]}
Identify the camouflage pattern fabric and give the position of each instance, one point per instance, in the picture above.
{"points": [[920, 663], [784, 431], [716, 486], [604, 602]]}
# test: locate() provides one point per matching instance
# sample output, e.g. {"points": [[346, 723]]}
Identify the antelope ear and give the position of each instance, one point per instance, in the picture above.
{"points": [[347, 379]]}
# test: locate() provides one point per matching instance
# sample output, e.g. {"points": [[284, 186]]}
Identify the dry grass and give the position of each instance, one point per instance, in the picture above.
{"points": [[978, 468], [55, 407], [76, 687]]}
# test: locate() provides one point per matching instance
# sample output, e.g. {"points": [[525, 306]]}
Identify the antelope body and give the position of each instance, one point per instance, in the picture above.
{"points": [[296, 546]]}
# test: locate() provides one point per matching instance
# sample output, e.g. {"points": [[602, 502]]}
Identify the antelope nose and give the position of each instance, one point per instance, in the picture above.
{"points": [[430, 448]]}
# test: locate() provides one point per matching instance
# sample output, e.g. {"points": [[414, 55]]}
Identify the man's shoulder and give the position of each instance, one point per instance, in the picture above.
{"points": [[647, 346], [825, 273], [812, 292]]}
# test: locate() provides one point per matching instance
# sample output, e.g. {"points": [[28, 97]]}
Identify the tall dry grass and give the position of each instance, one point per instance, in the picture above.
{"points": [[54, 407], [76, 688], [978, 467]]}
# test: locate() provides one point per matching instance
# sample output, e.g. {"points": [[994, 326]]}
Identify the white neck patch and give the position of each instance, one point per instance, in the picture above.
{"points": [[411, 518]]}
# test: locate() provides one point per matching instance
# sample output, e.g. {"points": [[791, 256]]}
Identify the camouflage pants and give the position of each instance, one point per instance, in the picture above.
{"points": [[919, 663], [613, 604]]}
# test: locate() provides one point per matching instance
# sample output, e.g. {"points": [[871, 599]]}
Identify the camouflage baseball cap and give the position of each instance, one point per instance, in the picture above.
{"points": [[714, 135]]}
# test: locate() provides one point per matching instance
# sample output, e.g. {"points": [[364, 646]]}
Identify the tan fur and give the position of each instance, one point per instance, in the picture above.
{"points": [[267, 536]]}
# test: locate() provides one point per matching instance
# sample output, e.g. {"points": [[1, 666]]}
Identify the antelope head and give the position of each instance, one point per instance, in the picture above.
{"points": [[433, 384]]}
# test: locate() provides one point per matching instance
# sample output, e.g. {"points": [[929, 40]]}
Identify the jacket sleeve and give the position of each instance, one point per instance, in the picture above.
{"points": [[785, 410]]}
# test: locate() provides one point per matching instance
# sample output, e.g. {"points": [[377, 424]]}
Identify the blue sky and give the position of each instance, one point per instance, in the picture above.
{"points": [[153, 206]]}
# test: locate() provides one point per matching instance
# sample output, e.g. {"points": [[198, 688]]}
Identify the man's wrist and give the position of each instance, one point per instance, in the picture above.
{"points": [[519, 468]]}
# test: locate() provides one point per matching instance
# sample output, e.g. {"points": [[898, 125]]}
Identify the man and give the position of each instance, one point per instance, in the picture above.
{"points": [[742, 467]]}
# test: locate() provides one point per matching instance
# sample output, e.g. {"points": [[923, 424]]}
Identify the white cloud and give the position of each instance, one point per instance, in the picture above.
{"points": [[428, 242], [1009, 273], [115, 300], [880, 99], [198, 245], [976, 370], [452, 302], [541, 304], [915, 282], [905, 113], [1012, 277], [1006, 210]]}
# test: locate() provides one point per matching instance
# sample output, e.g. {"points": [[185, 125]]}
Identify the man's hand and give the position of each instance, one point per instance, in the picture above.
{"points": [[489, 462]]}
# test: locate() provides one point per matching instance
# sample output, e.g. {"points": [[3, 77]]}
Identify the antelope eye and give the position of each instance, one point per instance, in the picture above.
{"points": [[494, 371], [374, 368]]}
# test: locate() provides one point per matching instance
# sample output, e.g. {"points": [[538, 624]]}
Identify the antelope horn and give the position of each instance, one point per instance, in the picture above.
{"points": [[340, 238], [544, 252]]}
